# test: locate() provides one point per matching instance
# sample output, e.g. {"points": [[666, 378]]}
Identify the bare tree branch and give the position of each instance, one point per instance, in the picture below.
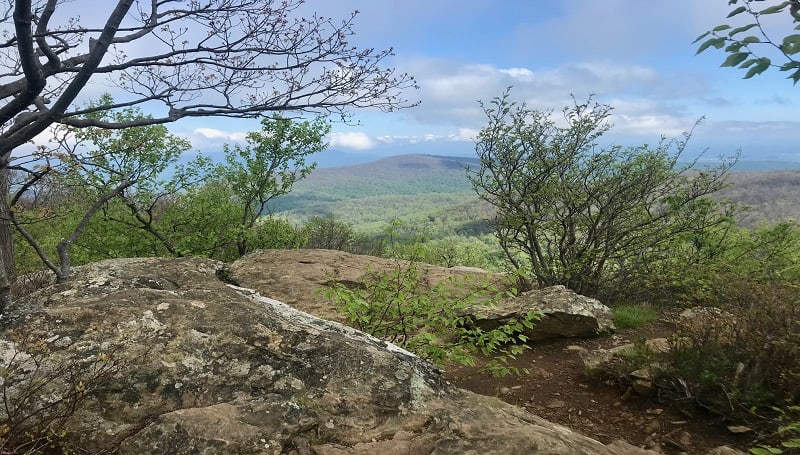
{"points": [[232, 58]]}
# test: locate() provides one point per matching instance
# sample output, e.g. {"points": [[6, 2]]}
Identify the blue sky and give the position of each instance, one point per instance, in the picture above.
{"points": [[636, 55]]}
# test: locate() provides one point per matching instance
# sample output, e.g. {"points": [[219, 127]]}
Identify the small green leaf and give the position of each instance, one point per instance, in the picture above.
{"points": [[791, 44], [741, 29], [720, 28], [774, 9], [701, 37], [761, 65], [736, 11], [734, 47], [751, 39], [748, 63], [790, 65], [735, 59], [792, 443], [795, 77], [716, 42]]}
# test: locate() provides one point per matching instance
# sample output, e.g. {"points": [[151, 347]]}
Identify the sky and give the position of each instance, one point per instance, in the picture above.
{"points": [[635, 55]]}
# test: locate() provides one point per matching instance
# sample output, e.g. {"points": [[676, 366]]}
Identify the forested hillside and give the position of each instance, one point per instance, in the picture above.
{"points": [[394, 176], [429, 192], [433, 194], [769, 195]]}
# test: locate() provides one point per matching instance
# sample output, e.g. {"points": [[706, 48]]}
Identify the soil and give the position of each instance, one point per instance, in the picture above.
{"points": [[558, 390]]}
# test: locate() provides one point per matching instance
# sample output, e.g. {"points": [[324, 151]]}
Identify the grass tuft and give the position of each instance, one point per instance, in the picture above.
{"points": [[631, 316]]}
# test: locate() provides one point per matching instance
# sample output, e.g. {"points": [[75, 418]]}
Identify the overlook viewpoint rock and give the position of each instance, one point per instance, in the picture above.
{"points": [[175, 360]]}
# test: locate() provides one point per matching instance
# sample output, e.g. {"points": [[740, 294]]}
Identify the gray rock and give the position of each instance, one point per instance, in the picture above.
{"points": [[195, 365], [598, 360], [563, 313]]}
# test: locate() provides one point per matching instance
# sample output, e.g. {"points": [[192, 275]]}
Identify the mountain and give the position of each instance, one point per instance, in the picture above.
{"points": [[399, 175], [428, 190]]}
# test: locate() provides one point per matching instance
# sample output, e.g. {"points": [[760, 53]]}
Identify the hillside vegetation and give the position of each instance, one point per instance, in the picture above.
{"points": [[434, 194]]}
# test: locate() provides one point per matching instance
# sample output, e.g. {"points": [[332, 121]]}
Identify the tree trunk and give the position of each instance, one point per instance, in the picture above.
{"points": [[6, 229], [7, 265]]}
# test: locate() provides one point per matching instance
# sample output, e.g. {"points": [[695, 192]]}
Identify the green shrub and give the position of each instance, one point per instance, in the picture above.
{"points": [[326, 232], [744, 359], [787, 435], [403, 307], [631, 316]]}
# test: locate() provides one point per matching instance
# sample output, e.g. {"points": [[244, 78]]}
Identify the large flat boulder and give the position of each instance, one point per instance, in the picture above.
{"points": [[170, 359], [563, 313], [297, 277]]}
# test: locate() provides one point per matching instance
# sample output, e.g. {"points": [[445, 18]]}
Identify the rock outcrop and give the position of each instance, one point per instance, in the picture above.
{"points": [[563, 313], [190, 364], [296, 277]]}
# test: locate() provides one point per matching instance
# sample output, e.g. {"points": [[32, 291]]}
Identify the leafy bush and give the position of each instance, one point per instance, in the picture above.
{"points": [[741, 361], [328, 233], [273, 232], [580, 215], [403, 307]]}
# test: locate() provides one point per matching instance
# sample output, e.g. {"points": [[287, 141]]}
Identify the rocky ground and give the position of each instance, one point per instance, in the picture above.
{"points": [[556, 388], [180, 359]]}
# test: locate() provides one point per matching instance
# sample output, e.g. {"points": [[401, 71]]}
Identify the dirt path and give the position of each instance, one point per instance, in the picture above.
{"points": [[557, 390]]}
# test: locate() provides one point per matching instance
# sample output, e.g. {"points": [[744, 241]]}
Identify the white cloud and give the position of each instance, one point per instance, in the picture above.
{"points": [[214, 134], [353, 141], [650, 124], [645, 101], [464, 135], [523, 74]]}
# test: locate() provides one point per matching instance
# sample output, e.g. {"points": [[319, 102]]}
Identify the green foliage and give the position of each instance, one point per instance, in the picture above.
{"points": [[631, 316], [581, 216], [90, 168], [700, 268], [403, 307], [756, 53], [328, 233], [267, 167], [273, 232], [204, 221], [468, 251], [787, 435], [199, 209]]}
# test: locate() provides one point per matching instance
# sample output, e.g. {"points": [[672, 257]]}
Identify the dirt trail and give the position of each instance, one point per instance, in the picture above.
{"points": [[557, 390]]}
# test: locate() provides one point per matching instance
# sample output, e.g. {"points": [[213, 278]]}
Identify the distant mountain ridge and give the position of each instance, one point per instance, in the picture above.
{"points": [[392, 176], [419, 187]]}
